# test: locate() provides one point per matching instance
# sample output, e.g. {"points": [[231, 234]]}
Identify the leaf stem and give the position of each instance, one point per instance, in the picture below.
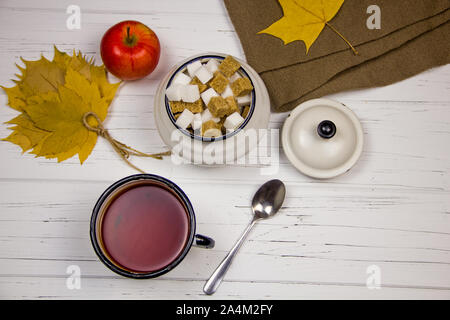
{"points": [[343, 38], [324, 20]]}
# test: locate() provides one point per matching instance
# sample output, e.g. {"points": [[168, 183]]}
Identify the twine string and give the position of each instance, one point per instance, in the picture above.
{"points": [[121, 149]]}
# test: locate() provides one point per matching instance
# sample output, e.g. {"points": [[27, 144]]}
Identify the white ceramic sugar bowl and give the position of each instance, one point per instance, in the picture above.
{"points": [[220, 150]]}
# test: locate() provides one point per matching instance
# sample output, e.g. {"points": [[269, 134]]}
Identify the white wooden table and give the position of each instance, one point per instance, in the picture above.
{"points": [[392, 211]]}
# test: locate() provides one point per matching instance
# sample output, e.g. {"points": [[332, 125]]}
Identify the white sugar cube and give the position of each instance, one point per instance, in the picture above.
{"points": [[244, 101], [234, 77], [197, 121], [208, 94], [193, 67], [173, 93], [181, 78], [203, 74], [233, 121], [206, 116], [212, 65], [190, 93], [227, 92], [185, 119]]}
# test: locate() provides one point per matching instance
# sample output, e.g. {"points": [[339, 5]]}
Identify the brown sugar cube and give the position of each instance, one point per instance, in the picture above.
{"points": [[211, 129], [219, 82], [229, 66], [201, 87], [194, 107], [218, 107], [232, 104], [241, 87], [245, 111], [177, 106]]}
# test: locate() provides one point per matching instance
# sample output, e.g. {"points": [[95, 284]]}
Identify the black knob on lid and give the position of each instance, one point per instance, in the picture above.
{"points": [[326, 129]]}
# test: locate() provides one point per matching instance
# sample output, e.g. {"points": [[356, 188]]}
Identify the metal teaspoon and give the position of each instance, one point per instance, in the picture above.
{"points": [[265, 204]]}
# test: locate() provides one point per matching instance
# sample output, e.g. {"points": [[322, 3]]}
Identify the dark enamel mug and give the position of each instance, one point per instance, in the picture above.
{"points": [[112, 217]]}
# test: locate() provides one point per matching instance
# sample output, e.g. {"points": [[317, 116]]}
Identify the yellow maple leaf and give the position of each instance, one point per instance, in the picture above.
{"points": [[37, 77], [90, 71], [61, 113], [16, 98], [88, 91], [20, 139], [52, 97], [42, 76], [25, 134], [62, 116], [304, 20]]}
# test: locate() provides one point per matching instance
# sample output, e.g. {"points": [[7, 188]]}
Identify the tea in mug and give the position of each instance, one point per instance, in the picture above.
{"points": [[145, 227]]}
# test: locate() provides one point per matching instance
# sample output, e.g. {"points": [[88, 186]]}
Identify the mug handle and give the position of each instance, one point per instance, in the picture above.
{"points": [[203, 242]]}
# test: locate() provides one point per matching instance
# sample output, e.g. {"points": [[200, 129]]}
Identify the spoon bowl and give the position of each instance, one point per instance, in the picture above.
{"points": [[268, 199]]}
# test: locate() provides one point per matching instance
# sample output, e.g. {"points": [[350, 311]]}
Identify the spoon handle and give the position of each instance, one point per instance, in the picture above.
{"points": [[216, 278]]}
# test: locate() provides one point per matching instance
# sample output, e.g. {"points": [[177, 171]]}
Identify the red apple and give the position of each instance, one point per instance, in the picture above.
{"points": [[130, 50]]}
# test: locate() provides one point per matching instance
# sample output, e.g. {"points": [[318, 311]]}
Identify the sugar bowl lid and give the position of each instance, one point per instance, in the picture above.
{"points": [[322, 138]]}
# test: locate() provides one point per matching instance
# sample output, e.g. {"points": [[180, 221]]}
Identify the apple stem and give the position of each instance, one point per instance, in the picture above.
{"points": [[130, 39]]}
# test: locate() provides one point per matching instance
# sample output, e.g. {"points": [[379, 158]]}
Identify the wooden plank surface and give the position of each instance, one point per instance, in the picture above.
{"points": [[391, 211]]}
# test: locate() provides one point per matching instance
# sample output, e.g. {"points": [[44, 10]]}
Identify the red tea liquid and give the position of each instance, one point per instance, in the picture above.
{"points": [[145, 228]]}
